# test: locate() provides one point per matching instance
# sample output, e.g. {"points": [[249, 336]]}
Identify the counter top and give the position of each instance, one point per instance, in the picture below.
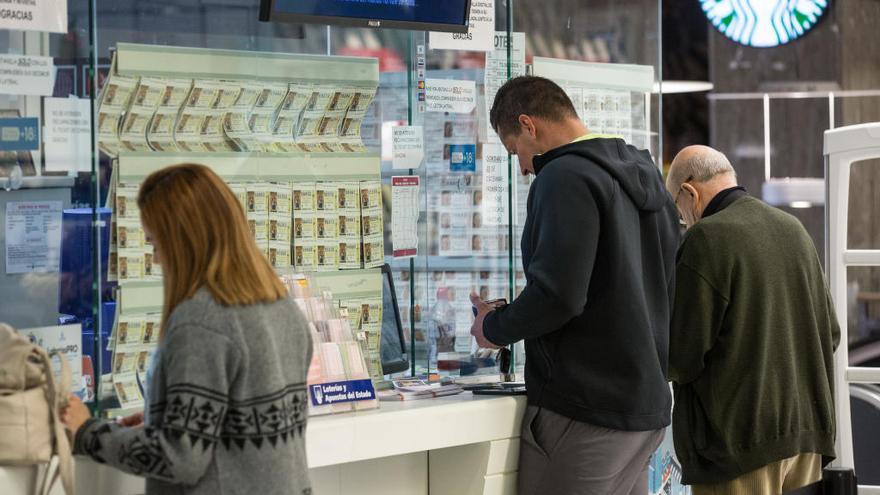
{"points": [[384, 435], [402, 427]]}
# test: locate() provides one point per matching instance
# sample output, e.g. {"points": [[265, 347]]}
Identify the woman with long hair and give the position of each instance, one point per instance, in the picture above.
{"points": [[226, 400]]}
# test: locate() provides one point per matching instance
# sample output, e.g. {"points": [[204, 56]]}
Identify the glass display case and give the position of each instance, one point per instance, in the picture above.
{"points": [[301, 120], [101, 95]]}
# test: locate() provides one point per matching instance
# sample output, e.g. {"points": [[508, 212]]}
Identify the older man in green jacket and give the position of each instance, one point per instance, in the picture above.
{"points": [[752, 337]]}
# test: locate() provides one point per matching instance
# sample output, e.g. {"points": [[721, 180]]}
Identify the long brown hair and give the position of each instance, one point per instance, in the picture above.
{"points": [[202, 235]]}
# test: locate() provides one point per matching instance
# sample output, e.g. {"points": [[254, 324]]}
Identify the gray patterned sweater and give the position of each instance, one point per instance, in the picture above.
{"points": [[227, 405]]}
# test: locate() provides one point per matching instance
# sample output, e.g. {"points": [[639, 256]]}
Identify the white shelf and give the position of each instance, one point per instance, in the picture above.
{"points": [[141, 297], [147, 296], [135, 166], [195, 63]]}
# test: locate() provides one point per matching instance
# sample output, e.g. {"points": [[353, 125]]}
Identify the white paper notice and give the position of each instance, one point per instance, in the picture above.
{"points": [[67, 340], [67, 135], [407, 146], [496, 185], [34, 15], [26, 75], [405, 216], [496, 70], [449, 95], [33, 236], [481, 28]]}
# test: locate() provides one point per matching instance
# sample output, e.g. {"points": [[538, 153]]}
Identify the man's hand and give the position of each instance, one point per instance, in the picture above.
{"points": [[132, 420], [75, 414], [477, 328]]}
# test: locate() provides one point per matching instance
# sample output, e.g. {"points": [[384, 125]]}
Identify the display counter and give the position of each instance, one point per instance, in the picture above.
{"points": [[460, 445]]}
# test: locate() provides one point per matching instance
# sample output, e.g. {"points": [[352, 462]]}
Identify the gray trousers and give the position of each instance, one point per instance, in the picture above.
{"points": [[559, 456]]}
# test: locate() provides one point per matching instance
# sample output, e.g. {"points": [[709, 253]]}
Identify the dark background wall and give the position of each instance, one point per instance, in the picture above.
{"points": [[842, 52], [685, 57]]}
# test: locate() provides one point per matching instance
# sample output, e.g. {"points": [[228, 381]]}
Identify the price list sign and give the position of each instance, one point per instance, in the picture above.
{"points": [[496, 185]]}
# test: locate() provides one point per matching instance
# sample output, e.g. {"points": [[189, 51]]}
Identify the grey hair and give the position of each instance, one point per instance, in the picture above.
{"points": [[698, 166]]}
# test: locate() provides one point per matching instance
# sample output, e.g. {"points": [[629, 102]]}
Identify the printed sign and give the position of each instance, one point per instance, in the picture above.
{"points": [[451, 96], [67, 134], [20, 134], [324, 394], [496, 73], [26, 75], [463, 157], [33, 236], [478, 38], [496, 179], [67, 340], [407, 146], [34, 15], [405, 216]]}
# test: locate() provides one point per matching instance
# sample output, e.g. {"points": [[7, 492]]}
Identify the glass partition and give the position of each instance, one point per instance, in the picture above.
{"points": [[99, 131], [51, 271]]}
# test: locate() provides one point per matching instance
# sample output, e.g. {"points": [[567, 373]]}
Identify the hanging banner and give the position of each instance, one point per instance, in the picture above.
{"points": [[34, 15], [481, 29], [67, 136]]}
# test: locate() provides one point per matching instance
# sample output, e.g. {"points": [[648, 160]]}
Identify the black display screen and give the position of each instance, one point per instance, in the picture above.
{"points": [[392, 348], [435, 15]]}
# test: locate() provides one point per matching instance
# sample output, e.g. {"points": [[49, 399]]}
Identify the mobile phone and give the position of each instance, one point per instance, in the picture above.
{"points": [[495, 303]]}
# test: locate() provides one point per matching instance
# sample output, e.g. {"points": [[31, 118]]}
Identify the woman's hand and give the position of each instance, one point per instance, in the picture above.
{"points": [[132, 420], [75, 414]]}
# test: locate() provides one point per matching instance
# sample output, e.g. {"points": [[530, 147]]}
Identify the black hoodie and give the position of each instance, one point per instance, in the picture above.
{"points": [[598, 250]]}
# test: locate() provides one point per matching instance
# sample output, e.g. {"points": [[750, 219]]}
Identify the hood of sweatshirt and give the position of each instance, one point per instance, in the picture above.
{"points": [[633, 169]]}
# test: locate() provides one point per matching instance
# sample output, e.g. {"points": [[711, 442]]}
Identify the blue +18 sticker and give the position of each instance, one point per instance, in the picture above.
{"points": [[463, 157], [21, 134]]}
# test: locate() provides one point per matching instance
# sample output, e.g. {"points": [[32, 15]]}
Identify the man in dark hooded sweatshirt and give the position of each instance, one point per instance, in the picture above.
{"points": [[598, 250]]}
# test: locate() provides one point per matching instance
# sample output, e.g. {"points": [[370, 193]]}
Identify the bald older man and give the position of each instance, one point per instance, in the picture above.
{"points": [[751, 341]]}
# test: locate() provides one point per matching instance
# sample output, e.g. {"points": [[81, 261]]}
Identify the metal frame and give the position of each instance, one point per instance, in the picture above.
{"points": [[843, 147]]}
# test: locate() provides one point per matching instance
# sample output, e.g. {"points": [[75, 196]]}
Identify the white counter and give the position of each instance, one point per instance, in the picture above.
{"points": [[460, 445], [412, 426]]}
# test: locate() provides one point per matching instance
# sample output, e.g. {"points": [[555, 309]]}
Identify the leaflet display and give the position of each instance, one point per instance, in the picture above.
{"points": [[213, 115], [339, 380], [290, 151]]}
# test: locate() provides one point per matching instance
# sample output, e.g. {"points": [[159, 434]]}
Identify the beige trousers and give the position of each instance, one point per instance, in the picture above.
{"points": [[772, 479]]}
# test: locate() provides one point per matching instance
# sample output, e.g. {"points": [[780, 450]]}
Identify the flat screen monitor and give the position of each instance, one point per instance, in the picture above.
{"points": [[393, 347], [429, 15]]}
